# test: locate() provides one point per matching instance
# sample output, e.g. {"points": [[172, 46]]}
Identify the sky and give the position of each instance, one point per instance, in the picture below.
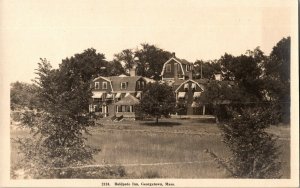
{"points": [[193, 29]]}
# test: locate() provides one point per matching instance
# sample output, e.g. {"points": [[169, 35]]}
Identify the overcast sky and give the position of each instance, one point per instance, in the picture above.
{"points": [[194, 29]]}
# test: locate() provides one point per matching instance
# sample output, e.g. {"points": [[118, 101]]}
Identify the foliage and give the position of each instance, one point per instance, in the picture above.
{"points": [[221, 96], [277, 77], [86, 65], [158, 100], [255, 152], [209, 69], [59, 127], [149, 60], [115, 68], [245, 70], [126, 57], [23, 95]]}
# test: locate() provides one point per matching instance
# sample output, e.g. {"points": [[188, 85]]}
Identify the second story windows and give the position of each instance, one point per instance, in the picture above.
{"points": [[186, 87], [104, 85], [139, 84], [142, 85], [188, 68], [97, 86], [124, 85], [168, 68]]}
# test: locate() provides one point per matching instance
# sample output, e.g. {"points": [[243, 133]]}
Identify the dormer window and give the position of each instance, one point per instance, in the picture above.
{"points": [[97, 86], [188, 68], [186, 87], [104, 85], [138, 84], [142, 85], [193, 86], [168, 68], [124, 85]]}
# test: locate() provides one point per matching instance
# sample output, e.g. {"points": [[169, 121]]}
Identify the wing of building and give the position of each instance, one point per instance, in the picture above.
{"points": [[117, 95], [178, 73]]}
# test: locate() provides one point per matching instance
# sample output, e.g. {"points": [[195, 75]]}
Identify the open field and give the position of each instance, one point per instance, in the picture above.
{"points": [[175, 149]]}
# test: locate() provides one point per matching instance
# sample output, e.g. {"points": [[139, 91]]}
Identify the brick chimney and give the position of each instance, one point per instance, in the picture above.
{"points": [[173, 54], [132, 71]]}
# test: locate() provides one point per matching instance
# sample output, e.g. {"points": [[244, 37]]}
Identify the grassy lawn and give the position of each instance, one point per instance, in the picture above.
{"points": [[175, 149]]}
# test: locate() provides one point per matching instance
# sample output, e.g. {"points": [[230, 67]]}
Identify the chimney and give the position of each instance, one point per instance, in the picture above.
{"points": [[132, 71], [173, 54], [175, 71]]}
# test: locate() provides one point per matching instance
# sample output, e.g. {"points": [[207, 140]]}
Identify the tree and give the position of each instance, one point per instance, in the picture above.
{"points": [[222, 96], [23, 95], [277, 77], [151, 60], [158, 100], [115, 68], [58, 140], [126, 57], [246, 71], [208, 69], [86, 65]]}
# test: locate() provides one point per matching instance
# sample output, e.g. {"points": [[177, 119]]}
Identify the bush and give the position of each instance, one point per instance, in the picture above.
{"points": [[254, 152]]}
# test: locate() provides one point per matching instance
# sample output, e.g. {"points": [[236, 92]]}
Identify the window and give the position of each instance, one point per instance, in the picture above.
{"points": [[97, 100], [181, 95], [186, 87], [123, 108], [98, 108], [143, 85], [127, 108], [97, 85], [104, 85], [193, 86], [138, 84], [124, 85], [188, 68], [168, 68]]}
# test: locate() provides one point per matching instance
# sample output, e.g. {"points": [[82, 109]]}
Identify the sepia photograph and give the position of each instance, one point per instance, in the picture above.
{"points": [[162, 93]]}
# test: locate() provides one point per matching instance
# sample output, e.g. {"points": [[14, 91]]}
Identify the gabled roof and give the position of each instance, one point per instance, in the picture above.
{"points": [[106, 79], [149, 80], [116, 82], [183, 61], [202, 81], [186, 81], [129, 100], [180, 61], [177, 83]]}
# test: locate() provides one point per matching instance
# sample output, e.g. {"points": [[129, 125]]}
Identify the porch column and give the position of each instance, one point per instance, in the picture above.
{"points": [[203, 110], [117, 108], [104, 110], [130, 108]]}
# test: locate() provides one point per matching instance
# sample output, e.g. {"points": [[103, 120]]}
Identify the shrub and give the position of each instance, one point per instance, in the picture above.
{"points": [[254, 152]]}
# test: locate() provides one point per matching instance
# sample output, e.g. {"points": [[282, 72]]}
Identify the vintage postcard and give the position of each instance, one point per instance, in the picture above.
{"points": [[161, 93]]}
